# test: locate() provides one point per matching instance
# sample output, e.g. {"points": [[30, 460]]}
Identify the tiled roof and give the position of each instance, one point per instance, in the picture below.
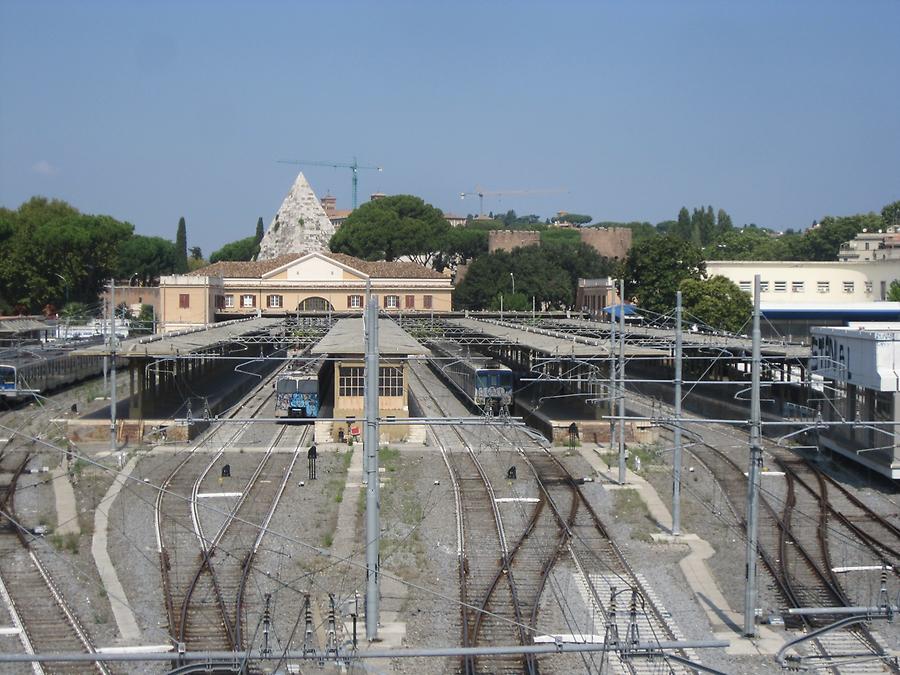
{"points": [[251, 269], [378, 269]]}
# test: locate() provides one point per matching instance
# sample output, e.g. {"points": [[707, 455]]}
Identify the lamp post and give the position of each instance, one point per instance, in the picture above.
{"points": [[65, 285], [513, 278]]}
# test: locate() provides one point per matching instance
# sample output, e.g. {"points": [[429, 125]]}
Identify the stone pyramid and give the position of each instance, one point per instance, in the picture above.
{"points": [[300, 226]]}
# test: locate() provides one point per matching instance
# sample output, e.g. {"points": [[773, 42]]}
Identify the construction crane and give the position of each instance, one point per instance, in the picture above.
{"points": [[354, 166], [480, 193]]}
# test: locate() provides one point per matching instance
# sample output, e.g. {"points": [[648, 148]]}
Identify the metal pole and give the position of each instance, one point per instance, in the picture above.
{"points": [[753, 474], [370, 447], [621, 381], [112, 365], [613, 425], [676, 461], [532, 309]]}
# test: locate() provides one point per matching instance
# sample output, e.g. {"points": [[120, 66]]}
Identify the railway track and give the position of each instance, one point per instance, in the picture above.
{"points": [[602, 569], [560, 524], [793, 544], [200, 610], [491, 613], [36, 604]]}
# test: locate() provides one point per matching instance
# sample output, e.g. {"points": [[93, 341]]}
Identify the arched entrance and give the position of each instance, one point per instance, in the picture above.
{"points": [[315, 304]]}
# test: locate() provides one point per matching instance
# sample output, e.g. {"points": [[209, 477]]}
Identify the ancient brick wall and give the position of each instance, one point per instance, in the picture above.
{"points": [[507, 240], [612, 242]]}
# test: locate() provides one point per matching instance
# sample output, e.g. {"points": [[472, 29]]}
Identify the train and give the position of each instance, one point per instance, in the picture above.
{"points": [[484, 381], [297, 389]]}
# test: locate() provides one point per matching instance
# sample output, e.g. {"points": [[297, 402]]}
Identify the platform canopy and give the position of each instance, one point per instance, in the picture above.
{"points": [[347, 337], [547, 341], [185, 342]]}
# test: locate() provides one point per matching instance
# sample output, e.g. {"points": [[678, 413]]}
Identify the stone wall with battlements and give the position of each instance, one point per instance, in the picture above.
{"points": [[610, 242], [507, 240]]}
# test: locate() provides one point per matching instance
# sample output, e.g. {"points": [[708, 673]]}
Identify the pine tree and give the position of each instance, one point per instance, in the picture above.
{"points": [[181, 262], [260, 230]]}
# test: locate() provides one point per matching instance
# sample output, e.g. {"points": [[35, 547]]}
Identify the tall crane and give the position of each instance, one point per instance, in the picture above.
{"points": [[480, 193], [354, 166]]}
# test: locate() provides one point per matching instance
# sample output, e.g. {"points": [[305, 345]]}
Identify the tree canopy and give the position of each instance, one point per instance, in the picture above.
{"points": [[716, 302], [574, 218], [146, 257], [548, 273], [50, 250], [655, 268], [391, 227], [242, 249]]}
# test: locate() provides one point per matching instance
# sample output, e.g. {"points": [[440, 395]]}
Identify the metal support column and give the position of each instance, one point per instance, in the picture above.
{"points": [[753, 474], [112, 365], [621, 382], [370, 448], [676, 460]]}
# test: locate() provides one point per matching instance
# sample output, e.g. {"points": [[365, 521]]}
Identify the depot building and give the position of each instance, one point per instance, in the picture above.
{"points": [[326, 282], [856, 370]]}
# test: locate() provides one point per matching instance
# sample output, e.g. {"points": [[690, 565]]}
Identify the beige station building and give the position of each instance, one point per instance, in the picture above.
{"points": [[297, 282]]}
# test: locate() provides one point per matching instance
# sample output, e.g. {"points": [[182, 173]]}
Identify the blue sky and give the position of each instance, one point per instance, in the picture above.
{"points": [[778, 112]]}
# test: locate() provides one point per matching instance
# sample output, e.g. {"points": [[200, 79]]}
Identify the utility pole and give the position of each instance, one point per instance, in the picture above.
{"points": [[622, 381], [370, 447], [112, 366], [613, 425], [753, 474], [676, 461]]}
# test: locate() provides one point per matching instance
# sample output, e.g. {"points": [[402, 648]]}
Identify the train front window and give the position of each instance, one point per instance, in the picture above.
{"points": [[286, 386]]}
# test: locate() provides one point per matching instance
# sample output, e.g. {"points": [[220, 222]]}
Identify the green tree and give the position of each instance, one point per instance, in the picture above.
{"points": [[385, 229], [824, 241], [890, 214], [242, 249], [574, 218], [147, 257], [893, 293], [144, 321], [260, 230], [723, 222], [51, 250], [196, 253], [682, 227], [716, 302], [655, 268], [181, 260], [549, 273]]}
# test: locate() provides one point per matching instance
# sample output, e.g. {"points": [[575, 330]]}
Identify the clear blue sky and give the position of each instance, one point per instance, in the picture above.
{"points": [[779, 112]]}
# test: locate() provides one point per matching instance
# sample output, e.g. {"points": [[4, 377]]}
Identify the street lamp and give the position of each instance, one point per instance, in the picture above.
{"points": [[65, 285], [513, 278]]}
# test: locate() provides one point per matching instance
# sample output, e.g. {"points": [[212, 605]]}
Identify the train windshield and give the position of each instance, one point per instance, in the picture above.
{"points": [[286, 385], [7, 377], [291, 385], [494, 378]]}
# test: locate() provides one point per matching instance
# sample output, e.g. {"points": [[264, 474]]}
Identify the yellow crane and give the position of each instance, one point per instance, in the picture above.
{"points": [[481, 193]]}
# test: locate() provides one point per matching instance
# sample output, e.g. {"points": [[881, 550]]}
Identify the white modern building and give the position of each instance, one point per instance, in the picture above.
{"points": [[860, 364], [801, 282]]}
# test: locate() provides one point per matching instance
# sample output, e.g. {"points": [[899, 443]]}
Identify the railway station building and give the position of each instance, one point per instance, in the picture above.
{"points": [[344, 346], [324, 282], [859, 367]]}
